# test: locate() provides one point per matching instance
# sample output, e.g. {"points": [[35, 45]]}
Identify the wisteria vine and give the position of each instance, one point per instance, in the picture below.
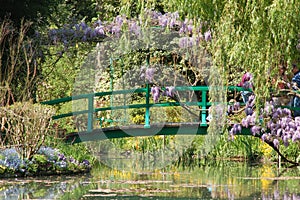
{"points": [[71, 34], [273, 125]]}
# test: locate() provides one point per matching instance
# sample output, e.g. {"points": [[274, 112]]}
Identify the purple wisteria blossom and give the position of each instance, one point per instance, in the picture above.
{"points": [[276, 143], [169, 91], [135, 28], [83, 32], [119, 20], [99, 30], [236, 128], [149, 74], [255, 130], [186, 42], [207, 36], [155, 91], [280, 125]]}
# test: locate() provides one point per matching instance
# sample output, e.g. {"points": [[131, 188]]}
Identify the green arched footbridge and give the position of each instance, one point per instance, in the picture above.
{"points": [[98, 132]]}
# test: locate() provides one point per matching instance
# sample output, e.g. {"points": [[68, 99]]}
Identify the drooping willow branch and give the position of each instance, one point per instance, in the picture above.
{"points": [[271, 144]]}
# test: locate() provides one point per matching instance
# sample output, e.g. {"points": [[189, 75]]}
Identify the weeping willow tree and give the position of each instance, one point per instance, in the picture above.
{"points": [[256, 36]]}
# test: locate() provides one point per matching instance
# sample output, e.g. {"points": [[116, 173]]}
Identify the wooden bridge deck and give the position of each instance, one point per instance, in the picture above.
{"points": [[190, 128]]}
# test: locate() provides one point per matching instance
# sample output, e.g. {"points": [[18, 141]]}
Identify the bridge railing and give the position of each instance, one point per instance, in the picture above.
{"points": [[91, 110]]}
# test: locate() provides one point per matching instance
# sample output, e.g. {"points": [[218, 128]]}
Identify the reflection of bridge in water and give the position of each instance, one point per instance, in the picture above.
{"points": [[198, 127]]}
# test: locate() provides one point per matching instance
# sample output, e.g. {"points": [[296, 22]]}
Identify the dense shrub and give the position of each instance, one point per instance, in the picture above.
{"points": [[24, 127]]}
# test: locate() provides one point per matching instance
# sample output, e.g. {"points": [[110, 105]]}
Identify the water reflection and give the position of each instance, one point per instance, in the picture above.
{"points": [[50, 187], [218, 180]]}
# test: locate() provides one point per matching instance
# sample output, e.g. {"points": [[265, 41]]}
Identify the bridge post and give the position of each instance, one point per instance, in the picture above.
{"points": [[203, 110], [147, 113], [90, 112]]}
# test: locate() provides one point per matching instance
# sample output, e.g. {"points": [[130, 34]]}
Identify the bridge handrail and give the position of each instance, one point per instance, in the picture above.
{"points": [[91, 110], [138, 90]]}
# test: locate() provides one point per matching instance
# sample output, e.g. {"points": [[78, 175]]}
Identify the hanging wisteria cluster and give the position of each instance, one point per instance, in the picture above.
{"points": [[280, 125], [158, 92], [147, 74], [70, 34]]}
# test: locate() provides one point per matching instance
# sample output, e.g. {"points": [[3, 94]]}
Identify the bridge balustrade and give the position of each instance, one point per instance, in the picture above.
{"points": [[91, 110]]}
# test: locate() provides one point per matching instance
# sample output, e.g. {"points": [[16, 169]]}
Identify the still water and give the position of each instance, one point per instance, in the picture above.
{"points": [[214, 180]]}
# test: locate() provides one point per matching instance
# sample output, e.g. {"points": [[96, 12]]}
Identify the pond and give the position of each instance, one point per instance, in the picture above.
{"points": [[205, 180]]}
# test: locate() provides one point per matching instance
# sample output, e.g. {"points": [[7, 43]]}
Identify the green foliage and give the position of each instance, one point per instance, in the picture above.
{"points": [[32, 10], [137, 116], [291, 152], [79, 151], [59, 72], [2, 169], [59, 76], [19, 63], [133, 8], [39, 159], [90, 11], [256, 36], [241, 148], [251, 146], [144, 144], [205, 10]]}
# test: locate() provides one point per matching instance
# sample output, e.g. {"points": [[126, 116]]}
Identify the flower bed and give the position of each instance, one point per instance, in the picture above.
{"points": [[47, 161]]}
